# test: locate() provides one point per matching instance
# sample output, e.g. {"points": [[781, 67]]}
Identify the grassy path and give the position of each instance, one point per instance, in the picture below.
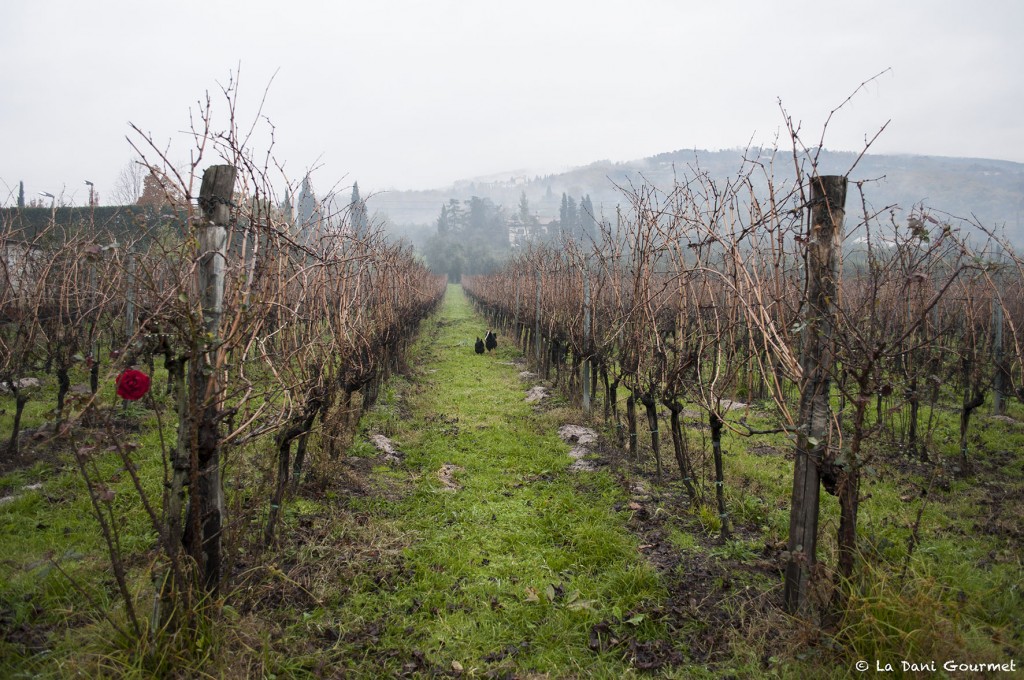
{"points": [[510, 573]]}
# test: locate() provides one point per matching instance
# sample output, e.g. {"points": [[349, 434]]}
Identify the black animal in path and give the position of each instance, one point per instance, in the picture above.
{"points": [[491, 340], [479, 346]]}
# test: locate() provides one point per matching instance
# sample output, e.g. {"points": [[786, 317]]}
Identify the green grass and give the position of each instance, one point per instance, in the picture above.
{"points": [[516, 570], [513, 569], [470, 414], [55, 583]]}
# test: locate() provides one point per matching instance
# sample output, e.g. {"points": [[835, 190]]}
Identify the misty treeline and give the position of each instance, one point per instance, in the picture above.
{"points": [[263, 340], [698, 303], [476, 236]]}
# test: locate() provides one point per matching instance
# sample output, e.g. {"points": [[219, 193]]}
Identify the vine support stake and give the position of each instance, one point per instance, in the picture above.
{"points": [[586, 338], [215, 196], [536, 332], [1000, 386], [824, 253]]}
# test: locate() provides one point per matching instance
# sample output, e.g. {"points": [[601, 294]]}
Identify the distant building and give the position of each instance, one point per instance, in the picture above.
{"points": [[519, 234], [20, 267]]}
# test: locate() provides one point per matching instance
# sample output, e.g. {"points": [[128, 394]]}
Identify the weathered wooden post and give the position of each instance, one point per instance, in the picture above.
{"points": [[1000, 384], [94, 345], [586, 338], [515, 314], [215, 201], [824, 255], [536, 330], [129, 307]]}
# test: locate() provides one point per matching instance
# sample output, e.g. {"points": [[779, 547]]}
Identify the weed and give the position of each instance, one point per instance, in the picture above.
{"points": [[710, 522], [736, 549]]}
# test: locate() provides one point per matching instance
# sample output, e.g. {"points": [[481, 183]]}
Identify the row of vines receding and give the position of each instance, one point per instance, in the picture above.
{"points": [[715, 303], [252, 345]]}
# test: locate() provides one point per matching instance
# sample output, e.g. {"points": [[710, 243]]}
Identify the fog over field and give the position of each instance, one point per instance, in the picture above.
{"points": [[406, 95]]}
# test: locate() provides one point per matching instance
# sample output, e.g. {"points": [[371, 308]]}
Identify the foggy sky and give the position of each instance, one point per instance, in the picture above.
{"points": [[419, 94]]}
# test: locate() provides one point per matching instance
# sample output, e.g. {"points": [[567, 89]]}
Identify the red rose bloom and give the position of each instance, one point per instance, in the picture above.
{"points": [[132, 384]]}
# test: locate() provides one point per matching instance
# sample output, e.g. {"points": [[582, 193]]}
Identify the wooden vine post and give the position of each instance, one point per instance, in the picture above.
{"points": [[1000, 385], [208, 514], [823, 265], [586, 338], [515, 315], [536, 330], [129, 307]]}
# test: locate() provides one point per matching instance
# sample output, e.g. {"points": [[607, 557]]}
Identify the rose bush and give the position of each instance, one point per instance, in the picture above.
{"points": [[132, 384]]}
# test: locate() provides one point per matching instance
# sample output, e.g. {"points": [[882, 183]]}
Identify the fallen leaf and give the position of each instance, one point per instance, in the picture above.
{"points": [[577, 605]]}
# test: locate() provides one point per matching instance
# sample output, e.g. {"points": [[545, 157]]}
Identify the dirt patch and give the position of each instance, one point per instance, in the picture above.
{"points": [[999, 515], [1005, 419], [446, 425], [35, 445], [583, 465], [730, 405], [577, 434], [23, 384], [318, 558], [392, 455], [579, 452], [26, 638], [446, 475], [647, 655], [583, 437], [30, 487], [536, 394], [714, 599], [711, 601]]}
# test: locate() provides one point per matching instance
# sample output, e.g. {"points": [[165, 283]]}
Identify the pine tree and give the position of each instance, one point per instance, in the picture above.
{"points": [[456, 216], [21, 194]]}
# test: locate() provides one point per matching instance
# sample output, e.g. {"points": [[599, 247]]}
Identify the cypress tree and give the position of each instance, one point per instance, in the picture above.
{"points": [[588, 225], [572, 224], [442, 221], [360, 221], [563, 215]]}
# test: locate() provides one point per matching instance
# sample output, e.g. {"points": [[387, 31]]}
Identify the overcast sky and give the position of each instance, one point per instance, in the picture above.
{"points": [[416, 94]]}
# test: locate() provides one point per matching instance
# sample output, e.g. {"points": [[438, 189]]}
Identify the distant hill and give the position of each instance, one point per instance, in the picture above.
{"points": [[991, 191]]}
